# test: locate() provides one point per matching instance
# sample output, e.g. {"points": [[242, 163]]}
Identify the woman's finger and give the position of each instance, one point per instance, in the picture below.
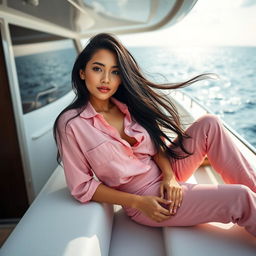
{"points": [[181, 197], [176, 201], [161, 217], [162, 191], [168, 193], [161, 209], [173, 197], [173, 200]]}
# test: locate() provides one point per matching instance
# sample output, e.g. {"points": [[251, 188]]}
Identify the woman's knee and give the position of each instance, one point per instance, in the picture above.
{"points": [[209, 118], [209, 122], [240, 192], [244, 190]]}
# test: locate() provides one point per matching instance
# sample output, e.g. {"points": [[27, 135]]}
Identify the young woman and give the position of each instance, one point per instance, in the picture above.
{"points": [[114, 130]]}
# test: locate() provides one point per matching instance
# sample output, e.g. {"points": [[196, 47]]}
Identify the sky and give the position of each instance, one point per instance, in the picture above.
{"points": [[210, 23]]}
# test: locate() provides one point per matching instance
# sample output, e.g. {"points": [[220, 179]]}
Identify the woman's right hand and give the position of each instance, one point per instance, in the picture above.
{"points": [[151, 207]]}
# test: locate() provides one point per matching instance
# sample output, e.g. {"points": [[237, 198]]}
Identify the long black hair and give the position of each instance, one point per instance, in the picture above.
{"points": [[154, 111]]}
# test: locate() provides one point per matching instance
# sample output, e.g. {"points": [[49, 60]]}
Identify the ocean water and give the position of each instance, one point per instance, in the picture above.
{"points": [[39, 72], [232, 97]]}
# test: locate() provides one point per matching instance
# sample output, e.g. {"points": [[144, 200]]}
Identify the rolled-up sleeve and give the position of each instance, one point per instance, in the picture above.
{"points": [[79, 176]]}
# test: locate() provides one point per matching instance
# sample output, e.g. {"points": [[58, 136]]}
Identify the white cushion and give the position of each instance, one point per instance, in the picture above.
{"points": [[57, 224]]}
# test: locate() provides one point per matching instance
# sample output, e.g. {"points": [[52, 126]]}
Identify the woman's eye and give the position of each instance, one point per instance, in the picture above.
{"points": [[96, 69], [116, 72]]}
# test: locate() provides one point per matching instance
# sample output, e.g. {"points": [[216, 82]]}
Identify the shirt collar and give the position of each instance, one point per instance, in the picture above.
{"points": [[90, 112]]}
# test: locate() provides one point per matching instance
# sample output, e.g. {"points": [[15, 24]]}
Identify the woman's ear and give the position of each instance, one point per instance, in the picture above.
{"points": [[82, 74]]}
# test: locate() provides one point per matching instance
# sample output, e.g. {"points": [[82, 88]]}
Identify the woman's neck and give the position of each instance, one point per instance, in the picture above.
{"points": [[102, 106]]}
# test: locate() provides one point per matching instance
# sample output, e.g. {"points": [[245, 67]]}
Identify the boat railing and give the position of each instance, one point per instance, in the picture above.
{"points": [[48, 92], [192, 102], [36, 103]]}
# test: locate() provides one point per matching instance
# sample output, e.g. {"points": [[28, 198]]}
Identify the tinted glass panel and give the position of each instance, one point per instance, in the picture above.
{"points": [[44, 70]]}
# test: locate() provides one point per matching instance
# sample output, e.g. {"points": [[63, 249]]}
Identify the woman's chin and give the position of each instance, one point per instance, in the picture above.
{"points": [[101, 96]]}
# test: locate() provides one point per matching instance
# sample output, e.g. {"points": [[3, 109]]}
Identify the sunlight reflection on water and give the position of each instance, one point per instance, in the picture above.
{"points": [[232, 97]]}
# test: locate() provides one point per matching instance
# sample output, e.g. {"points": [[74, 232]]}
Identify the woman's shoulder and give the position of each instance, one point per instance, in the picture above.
{"points": [[68, 117]]}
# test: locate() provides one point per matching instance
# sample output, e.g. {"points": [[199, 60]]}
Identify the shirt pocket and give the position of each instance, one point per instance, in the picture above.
{"points": [[101, 154]]}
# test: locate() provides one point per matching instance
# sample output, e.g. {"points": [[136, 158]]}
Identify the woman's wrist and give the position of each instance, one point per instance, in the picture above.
{"points": [[168, 175], [136, 200]]}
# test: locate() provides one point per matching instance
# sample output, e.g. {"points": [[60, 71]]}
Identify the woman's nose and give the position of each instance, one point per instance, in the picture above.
{"points": [[105, 77]]}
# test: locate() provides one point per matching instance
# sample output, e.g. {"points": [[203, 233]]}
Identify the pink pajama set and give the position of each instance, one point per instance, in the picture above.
{"points": [[93, 152]]}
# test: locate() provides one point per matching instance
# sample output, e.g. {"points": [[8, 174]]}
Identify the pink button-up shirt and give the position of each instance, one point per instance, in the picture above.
{"points": [[91, 147]]}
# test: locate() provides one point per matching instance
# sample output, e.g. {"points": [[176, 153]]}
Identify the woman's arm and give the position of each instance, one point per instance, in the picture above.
{"points": [[169, 185], [148, 205], [164, 164], [105, 194]]}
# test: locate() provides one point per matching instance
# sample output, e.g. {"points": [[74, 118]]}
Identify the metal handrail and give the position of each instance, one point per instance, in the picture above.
{"points": [[45, 92], [231, 130]]}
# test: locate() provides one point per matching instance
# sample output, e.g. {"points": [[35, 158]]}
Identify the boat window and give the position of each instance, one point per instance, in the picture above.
{"points": [[43, 63]]}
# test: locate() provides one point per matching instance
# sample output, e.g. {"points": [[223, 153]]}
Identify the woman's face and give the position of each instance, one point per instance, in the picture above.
{"points": [[101, 75]]}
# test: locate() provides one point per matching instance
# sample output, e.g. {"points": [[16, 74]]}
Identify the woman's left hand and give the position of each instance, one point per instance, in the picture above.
{"points": [[172, 190]]}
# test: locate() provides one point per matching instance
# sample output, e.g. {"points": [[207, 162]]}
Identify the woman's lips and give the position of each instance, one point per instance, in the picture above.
{"points": [[103, 89]]}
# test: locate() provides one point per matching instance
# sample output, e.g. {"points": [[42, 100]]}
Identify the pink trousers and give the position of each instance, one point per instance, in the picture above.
{"points": [[232, 202]]}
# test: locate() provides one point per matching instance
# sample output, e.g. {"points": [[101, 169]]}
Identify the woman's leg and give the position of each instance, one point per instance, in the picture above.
{"points": [[209, 203], [208, 137]]}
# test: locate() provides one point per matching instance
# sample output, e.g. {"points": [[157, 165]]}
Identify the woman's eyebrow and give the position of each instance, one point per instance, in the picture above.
{"points": [[101, 64]]}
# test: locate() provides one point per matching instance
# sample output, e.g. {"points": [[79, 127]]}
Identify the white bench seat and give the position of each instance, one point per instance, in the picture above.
{"points": [[130, 238], [57, 225], [208, 239]]}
